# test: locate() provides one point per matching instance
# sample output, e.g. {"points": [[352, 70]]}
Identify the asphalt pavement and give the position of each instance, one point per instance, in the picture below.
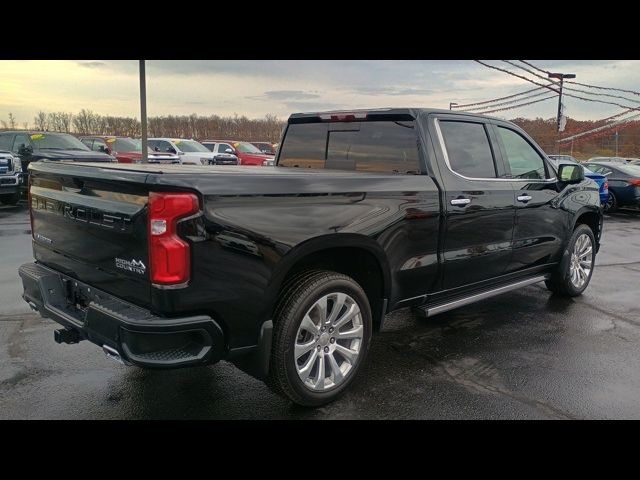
{"points": [[523, 355]]}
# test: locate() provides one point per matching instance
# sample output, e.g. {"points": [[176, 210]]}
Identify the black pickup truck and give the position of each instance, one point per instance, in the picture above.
{"points": [[286, 271]]}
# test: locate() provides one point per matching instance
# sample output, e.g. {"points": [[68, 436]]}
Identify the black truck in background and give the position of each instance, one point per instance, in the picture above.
{"points": [[287, 271]]}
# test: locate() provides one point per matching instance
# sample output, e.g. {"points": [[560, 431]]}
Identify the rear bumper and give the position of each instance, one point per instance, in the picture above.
{"points": [[139, 337]]}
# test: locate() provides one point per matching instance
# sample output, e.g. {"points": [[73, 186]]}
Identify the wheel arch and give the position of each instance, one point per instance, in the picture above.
{"points": [[592, 217], [355, 255]]}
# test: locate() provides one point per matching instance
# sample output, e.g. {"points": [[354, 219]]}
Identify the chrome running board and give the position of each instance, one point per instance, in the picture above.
{"points": [[430, 311]]}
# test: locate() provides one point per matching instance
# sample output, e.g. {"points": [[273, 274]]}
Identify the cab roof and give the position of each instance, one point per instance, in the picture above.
{"points": [[408, 113]]}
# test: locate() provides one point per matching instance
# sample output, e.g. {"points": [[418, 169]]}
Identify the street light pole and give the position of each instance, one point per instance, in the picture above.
{"points": [[560, 76], [143, 112], [616, 142]]}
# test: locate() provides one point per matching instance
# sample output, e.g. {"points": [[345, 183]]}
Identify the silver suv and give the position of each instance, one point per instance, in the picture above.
{"points": [[10, 178]]}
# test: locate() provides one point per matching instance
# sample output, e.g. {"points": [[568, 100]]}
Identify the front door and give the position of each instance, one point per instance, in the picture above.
{"points": [[479, 202], [541, 226]]}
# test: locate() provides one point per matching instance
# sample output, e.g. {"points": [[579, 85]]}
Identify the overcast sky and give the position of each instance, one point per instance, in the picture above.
{"points": [[257, 87]]}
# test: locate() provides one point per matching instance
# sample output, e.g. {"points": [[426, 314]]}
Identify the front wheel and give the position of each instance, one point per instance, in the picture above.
{"points": [[612, 203], [322, 332], [573, 274]]}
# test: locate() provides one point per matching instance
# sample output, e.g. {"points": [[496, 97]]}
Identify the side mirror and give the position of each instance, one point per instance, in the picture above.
{"points": [[571, 173], [172, 150], [25, 149], [156, 149], [104, 149], [228, 150]]}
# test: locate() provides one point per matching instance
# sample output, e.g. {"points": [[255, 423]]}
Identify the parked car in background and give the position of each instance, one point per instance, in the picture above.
{"points": [[29, 146], [601, 180], [10, 178], [635, 161], [189, 151], [126, 149], [607, 159], [247, 153], [624, 183], [267, 148]]}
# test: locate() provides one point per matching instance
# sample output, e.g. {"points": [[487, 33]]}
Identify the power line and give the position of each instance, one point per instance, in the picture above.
{"points": [[600, 129], [586, 84], [573, 89], [497, 99], [516, 75], [515, 106], [536, 68], [546, 86], [507, 102]]}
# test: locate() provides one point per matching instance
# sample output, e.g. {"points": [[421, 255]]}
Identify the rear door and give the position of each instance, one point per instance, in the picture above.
{"points": [[479, 201], [541, 226]]}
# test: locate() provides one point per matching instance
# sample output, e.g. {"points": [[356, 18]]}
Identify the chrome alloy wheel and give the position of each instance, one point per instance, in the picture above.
{"points": [[328, 341], [581, 261]]}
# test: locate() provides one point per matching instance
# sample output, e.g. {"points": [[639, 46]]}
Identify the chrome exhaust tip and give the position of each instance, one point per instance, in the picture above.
{"points": [[113, 354]]}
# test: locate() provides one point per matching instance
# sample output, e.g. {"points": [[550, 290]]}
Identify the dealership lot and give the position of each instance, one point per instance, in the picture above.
{"points": [[525, 354]]}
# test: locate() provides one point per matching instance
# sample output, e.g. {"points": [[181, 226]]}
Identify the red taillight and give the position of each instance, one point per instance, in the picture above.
{"points": [[635, 181], [169, 255], [606, 186], [343, 116]]}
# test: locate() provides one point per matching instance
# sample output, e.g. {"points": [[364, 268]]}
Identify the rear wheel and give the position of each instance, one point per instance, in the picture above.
{"points": [[574, 272], [11, 199], [321, 337], [612, 203]]}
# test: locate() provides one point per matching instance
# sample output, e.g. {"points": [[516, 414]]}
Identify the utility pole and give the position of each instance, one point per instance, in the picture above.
{"points": [[143, 112], [616, 142], [561, 76], [451, 104]]}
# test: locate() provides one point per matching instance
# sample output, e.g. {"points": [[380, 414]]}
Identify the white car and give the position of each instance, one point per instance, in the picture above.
{"points": [[190, 151]]}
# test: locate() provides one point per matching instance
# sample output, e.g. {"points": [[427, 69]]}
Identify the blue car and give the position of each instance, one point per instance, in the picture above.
{"points": [[599, 178], [624, 183]]}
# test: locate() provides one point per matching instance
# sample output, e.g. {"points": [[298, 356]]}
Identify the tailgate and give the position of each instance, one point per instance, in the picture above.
{"points": [[91, 224]]}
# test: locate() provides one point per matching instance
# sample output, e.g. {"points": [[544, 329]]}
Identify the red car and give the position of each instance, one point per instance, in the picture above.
{"points": [[247, 153], [126, 150]]}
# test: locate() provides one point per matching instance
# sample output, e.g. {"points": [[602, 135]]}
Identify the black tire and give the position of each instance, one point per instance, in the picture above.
{"points": [[299, 295], [611, 205], [11, 199], [560, 282]]}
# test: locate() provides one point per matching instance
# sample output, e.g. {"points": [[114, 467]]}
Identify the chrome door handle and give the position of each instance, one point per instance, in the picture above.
{"points": [[524, 198], [459, 202]]}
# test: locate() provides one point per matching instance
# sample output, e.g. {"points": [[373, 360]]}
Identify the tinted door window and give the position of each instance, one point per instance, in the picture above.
{"points": [[5, 142], [99, 145], [87, 141], [20, 140], [222, 147], [523, 160], [161, 145], [468, 149]]}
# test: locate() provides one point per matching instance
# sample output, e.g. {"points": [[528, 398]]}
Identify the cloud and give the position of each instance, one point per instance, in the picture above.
{"points": [[92, 64], [283, 95], [394, 91]]}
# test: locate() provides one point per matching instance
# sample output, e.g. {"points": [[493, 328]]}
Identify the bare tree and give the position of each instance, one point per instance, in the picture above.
{"points": [[12, 120], [41, 121]]}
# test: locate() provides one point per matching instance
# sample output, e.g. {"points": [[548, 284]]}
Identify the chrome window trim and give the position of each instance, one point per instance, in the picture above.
{"points": [[446, 160]]}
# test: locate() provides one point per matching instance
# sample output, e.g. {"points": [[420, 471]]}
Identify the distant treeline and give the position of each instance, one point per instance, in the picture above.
{"points": [[269, 128], [544, 132], [195, 126]]}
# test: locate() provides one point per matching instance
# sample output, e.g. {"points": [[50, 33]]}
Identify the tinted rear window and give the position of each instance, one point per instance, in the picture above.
{"points": [[468, 149], [385, 146]]}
